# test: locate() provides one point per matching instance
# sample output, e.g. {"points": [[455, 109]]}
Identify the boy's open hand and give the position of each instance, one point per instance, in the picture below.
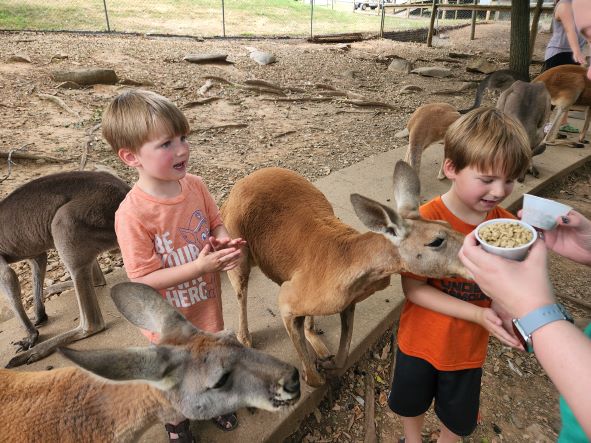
{"points": [[488, 319], [222, 243], [214, 261]]}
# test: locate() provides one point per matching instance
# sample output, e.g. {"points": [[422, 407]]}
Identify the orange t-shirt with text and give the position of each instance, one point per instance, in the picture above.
{"points": [[448, 343], [156, 233]]}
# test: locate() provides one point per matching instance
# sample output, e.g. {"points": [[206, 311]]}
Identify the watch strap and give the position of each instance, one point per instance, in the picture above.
{"points": [[542, 316]]}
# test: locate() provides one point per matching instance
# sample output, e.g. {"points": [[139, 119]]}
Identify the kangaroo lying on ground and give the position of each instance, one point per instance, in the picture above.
{"points": [[72, 212], [499, 81], [568, 85], [427, 125], [324, 266], [120, 393], [529, 103]]}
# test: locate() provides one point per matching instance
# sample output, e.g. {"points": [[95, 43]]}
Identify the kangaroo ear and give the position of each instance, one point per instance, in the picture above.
{"points": [[143, 306], [407, 190], [157, 365], [377, 217]]}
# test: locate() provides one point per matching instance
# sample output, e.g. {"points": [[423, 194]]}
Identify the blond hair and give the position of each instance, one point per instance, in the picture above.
{"points": [[134, 117], [488, 140]]}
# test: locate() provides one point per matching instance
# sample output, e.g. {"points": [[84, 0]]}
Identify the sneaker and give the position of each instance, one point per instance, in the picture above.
{"points": [[569, 128]]}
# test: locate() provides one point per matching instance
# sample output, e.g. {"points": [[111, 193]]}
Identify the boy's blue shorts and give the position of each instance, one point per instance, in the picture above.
{"points": [[457, 393]]}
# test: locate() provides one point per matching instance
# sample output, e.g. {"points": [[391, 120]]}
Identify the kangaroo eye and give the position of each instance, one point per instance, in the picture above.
{"points": [[436, 243], [390, 230], [222, 381]]}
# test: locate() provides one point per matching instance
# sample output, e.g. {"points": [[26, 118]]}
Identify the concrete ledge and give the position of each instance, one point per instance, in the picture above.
{"points": [[373, 178]]}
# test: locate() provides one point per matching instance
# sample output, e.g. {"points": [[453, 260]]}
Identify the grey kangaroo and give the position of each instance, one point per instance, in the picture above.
{"points": [[74, 213], [499, 81], [529, 103]]}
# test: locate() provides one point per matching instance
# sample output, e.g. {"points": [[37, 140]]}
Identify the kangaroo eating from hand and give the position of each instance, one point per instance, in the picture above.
{"points": [[324, 266], [74, 213]]}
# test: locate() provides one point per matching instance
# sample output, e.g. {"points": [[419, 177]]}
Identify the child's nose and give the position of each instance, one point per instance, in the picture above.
{"points": [[499, 189]]}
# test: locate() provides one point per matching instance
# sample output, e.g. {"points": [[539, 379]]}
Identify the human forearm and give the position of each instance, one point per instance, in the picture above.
{"points": [[167, 277], [564, 13], [565, 354], [432, 298]]}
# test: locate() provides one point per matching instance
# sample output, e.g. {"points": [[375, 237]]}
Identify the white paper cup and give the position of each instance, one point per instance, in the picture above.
{"points": [[518, 253], [541, 212]]}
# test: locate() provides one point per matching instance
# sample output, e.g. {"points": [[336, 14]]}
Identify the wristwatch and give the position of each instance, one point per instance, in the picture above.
{"points": [[525, 326]]}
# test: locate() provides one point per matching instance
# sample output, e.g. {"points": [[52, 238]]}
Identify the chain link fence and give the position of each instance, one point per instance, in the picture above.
{"points": [[240, 18]]}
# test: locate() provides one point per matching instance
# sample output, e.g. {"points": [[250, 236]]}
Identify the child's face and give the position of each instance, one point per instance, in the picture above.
{"points": [[163, 158], [479, 191]]}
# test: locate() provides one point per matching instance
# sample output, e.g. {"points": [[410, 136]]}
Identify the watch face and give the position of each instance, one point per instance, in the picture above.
{"points": [[520, 337]]}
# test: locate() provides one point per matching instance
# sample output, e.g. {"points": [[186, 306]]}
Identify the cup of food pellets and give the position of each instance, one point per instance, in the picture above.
{"points": [[506, 237]]}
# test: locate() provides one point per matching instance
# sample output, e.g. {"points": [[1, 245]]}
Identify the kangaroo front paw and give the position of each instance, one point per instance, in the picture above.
{"points": [[26, 343], [313, 378], [328, 362]]}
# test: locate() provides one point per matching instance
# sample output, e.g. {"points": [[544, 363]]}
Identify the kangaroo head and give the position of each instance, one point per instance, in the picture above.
{"points": [[202, 374], [427, 248]]}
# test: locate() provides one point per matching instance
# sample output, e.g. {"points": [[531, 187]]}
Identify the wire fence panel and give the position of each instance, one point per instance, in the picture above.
{"points": [[242, 18], [44, 15]]}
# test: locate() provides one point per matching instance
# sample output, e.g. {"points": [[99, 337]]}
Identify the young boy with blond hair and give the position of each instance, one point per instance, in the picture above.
{"points": [[445, 323], [169, 227]]}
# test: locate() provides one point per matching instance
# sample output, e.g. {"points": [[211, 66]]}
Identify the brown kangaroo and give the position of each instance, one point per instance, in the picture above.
{"points": [[120, 393], [324, 266], [427, 125], [568, 85], [72, 212]]}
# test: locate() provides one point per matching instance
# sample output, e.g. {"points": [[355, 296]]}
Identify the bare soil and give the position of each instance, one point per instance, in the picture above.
{"points": [[243, 130]]}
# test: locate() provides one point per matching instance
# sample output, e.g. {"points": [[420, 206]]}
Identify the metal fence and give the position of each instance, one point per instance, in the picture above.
{"points": [[228, 18]]}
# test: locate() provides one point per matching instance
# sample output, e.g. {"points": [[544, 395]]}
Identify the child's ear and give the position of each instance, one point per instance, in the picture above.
{"points": [[128, 157], [449, 169]]}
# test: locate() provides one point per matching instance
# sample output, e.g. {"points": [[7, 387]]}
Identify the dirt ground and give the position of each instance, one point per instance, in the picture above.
{"points": [[308, 122]]}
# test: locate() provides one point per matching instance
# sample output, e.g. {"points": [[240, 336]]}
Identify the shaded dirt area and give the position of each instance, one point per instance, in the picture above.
{"points": [[308, 123]]}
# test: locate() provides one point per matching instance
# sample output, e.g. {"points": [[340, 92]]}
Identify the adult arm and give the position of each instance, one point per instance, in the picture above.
{"points": [[427, 296], [564, 13], [582, 13], [520, 287]]}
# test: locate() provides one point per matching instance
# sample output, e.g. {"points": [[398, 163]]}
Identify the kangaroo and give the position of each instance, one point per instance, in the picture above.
{"points": [[529, 103], [324, 266], [119, 393], [568, 85], [427, 125], [499, 80], [72, 212]]}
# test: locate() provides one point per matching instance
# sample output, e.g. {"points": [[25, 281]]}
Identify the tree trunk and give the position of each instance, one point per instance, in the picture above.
{"points": [[534, 28], [519, 49]]}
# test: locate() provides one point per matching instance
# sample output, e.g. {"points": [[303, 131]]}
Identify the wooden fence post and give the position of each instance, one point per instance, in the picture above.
{"points": [[473, 27], [534, 28], [432, 24]]}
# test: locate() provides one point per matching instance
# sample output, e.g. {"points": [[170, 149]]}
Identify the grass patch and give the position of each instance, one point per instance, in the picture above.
{"points": [[198, 17]]}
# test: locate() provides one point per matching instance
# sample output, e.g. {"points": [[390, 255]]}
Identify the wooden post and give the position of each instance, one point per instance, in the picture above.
{"points": [[432, 24], [473, 27], [534, 28]]}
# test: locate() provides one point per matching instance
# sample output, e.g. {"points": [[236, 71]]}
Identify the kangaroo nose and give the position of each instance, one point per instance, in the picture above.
{"points": [[292, 384]]}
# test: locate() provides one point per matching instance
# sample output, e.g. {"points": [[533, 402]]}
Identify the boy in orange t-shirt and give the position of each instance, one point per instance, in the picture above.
{"points": [[168, 226], [445, 324]]}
